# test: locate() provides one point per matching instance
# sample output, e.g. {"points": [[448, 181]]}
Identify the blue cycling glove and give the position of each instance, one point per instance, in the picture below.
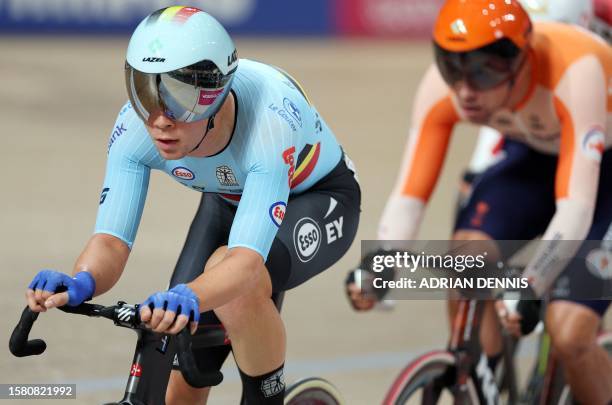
{"points": [[80, 288], [179, 299]]}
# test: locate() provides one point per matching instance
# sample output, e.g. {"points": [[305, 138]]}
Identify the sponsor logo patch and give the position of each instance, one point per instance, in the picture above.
{"points": [[198, 188], [277, 212], [306, 238], [593, 144], [136, 370], [183, 173], [207, 97], [153, 59], [458, 27], [286, 116], [125, 109], [105, 191], [226, 176], [274, 384], [290, 160], [482, 208], [599, 263], [332, 206], [232, 58], [117, 132], [334, 230], [561, 289], [293, 110]]}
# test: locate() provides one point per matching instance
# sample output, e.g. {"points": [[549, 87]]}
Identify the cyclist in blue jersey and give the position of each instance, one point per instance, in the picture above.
{"points": [[280, 200]]}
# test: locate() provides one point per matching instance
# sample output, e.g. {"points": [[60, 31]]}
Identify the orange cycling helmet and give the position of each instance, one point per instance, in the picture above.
{"points": [[481, 42]]}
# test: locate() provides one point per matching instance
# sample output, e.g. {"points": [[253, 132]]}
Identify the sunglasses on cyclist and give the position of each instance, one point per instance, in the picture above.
{"points": [[483, 68], [188, 94]]}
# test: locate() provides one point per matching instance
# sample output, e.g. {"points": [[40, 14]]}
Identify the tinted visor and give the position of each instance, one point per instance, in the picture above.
{"points": [[483, 68], [188, 94]]}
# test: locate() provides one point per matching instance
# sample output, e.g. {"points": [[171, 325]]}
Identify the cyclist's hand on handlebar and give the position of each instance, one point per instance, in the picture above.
{"points": [[170, 311], [518, 311], [510, 319], [51, 289], [359, 283], [360, 300]]}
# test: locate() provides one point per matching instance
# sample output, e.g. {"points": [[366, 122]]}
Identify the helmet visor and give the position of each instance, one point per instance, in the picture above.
{"points": [[188, 94], [483, 68]]}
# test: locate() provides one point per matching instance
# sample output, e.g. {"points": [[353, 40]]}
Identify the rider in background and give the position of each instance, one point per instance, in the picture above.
{"points": [[578, 12], [280, 202], [545, 87]]}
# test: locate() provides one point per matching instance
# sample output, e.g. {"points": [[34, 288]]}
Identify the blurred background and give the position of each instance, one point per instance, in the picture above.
{"points": [[61, 63]]}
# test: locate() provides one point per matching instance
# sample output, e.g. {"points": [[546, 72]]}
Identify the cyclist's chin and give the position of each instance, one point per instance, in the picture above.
{"points": [[476, 115], [171, 154]]}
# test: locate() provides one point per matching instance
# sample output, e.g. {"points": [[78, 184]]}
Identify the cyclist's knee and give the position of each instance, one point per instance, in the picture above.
{"points": [[181, 393], [241, 309], [573, 329], [216, 257]]}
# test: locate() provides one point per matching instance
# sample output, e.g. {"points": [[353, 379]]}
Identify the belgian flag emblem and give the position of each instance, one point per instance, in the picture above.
{"points": [[306, 162]]}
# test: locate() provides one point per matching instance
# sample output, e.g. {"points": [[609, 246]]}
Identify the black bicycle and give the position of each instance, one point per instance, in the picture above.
{"points": [[460, 373], [154, 355]]}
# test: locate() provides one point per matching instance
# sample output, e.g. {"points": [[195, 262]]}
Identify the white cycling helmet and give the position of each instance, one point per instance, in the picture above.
{"points": [[180, 61], [579, 12]]}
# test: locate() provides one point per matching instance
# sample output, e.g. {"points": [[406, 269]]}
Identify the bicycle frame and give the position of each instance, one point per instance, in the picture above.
{"points": [[464, 344]]}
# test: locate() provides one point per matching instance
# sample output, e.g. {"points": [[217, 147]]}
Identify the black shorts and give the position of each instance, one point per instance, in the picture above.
{"points": [[319, 226], [514, 200]]}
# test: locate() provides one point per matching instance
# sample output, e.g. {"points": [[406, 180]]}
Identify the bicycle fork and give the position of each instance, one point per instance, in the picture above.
{"points": [[151, 366]]}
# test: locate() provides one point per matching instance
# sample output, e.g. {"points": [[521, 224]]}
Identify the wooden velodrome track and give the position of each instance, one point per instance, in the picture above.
{"points": [[59, 99]]}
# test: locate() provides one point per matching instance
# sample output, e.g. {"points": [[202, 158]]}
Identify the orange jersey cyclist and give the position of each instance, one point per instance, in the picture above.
{"points": [[280, 202], [546, 88]]}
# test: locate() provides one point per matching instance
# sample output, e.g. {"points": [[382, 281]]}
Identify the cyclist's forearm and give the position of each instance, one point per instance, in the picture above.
{"points": [[401, 218], [234, 275], [104, 257], [568, 228]]}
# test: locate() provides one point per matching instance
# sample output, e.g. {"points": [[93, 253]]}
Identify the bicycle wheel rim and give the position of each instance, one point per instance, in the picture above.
{"points": [[425, 374], [313, 391]]}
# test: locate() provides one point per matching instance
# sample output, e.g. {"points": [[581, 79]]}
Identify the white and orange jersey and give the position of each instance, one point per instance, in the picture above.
{"points": [[567, 111]]}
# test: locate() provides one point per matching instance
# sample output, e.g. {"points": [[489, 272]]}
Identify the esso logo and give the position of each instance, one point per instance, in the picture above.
{"points": [[183, 173], [277, 212], [306, 238]]}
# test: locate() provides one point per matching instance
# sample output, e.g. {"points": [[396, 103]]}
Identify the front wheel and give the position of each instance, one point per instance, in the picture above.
{"points": [[313, 391], [430, 379]]}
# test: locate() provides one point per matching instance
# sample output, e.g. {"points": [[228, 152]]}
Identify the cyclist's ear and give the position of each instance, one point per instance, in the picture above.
{"points": [[57, 300]]}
